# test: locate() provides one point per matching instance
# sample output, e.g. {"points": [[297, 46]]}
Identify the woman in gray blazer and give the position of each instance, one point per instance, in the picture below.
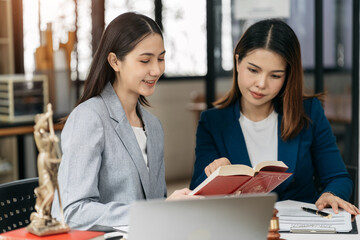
{"points": [[113, 149]]}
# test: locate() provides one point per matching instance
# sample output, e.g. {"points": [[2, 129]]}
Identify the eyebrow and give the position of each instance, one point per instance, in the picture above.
{"points": [[151, 54], [260, 67]]}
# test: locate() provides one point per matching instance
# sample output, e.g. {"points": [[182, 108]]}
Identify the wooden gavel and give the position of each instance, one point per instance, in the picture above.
{"points": [[273, 233]]}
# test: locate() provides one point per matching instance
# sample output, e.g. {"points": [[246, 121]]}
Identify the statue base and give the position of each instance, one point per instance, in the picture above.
{"points": [[44, 227]]}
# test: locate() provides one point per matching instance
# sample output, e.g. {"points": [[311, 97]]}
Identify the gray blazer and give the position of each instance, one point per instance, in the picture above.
{"points": [[102, 169]]}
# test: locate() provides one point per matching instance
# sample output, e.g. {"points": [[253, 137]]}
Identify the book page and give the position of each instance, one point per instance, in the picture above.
{"points": [[275, 166], [293, 219], [235, 169]]}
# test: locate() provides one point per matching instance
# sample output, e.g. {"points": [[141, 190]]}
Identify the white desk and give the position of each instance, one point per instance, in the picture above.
{"points": [[296, 236]]}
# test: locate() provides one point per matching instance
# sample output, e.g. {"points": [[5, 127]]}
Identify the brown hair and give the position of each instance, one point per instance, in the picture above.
{"points": [[120, 37], [276, 36]]}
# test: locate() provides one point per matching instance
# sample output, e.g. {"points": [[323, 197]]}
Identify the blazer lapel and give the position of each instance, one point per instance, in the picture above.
{"points": [[236, 146], [234, 138], [287, 153], [153, 150], [126, 134]]}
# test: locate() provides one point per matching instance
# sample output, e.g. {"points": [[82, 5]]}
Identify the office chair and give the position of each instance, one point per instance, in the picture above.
{"points": [[17, 201]]}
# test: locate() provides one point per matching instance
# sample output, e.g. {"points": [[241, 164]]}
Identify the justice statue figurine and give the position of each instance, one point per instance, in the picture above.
{"points": [[48, 161]]}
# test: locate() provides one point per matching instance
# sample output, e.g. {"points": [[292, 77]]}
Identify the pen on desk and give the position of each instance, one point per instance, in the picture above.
{"points": [[317, 212]]}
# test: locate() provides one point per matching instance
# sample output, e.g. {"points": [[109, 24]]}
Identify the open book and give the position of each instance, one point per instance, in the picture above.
{"points": [[243, 179]]}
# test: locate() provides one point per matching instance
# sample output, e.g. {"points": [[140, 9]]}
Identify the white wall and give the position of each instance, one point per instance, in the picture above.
{"points": [[169, 104]]}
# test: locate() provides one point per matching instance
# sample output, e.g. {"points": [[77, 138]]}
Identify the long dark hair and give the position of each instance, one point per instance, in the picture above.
{"points": [[120, 37], [275, 35]]}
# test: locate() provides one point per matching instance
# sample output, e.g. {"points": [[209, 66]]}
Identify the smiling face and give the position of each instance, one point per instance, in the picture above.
{"points": [[261, 75], [138, 73]]}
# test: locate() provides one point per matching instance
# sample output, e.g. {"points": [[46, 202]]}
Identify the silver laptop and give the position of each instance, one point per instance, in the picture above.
{"points": [[241, 217]]}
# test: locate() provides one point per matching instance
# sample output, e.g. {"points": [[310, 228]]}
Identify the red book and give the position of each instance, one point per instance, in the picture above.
{"points": [[22, 233], [229, 179]]}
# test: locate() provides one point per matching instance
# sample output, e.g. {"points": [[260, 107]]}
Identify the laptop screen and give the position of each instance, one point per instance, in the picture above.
{"points": [[231, 217]]}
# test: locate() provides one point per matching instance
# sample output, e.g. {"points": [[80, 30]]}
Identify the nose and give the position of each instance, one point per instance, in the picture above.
{"points": [[157, 69], [261, 81]]}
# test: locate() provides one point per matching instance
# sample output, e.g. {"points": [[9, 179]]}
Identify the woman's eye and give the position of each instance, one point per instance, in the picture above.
{"points": [[275, 76], [144, 61], [161, 59], [252, 70]]}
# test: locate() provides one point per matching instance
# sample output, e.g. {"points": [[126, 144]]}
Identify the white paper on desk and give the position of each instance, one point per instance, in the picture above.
{"points": [[292, 216], [124, 230]]}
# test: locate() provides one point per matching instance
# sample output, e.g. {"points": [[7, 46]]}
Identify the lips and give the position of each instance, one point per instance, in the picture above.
{"points": [[150, 83], [257, 95]]}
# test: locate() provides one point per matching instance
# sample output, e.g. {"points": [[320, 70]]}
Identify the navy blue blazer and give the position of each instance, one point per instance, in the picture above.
{"points": [[313, 152]]}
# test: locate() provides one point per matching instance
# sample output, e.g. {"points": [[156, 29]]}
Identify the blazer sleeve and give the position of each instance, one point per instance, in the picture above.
{"points": [[206, 150], [82, 142], [327, 160]]}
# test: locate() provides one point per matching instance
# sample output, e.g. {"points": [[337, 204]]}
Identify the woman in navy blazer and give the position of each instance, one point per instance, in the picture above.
{"points": [[266, 115]]}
